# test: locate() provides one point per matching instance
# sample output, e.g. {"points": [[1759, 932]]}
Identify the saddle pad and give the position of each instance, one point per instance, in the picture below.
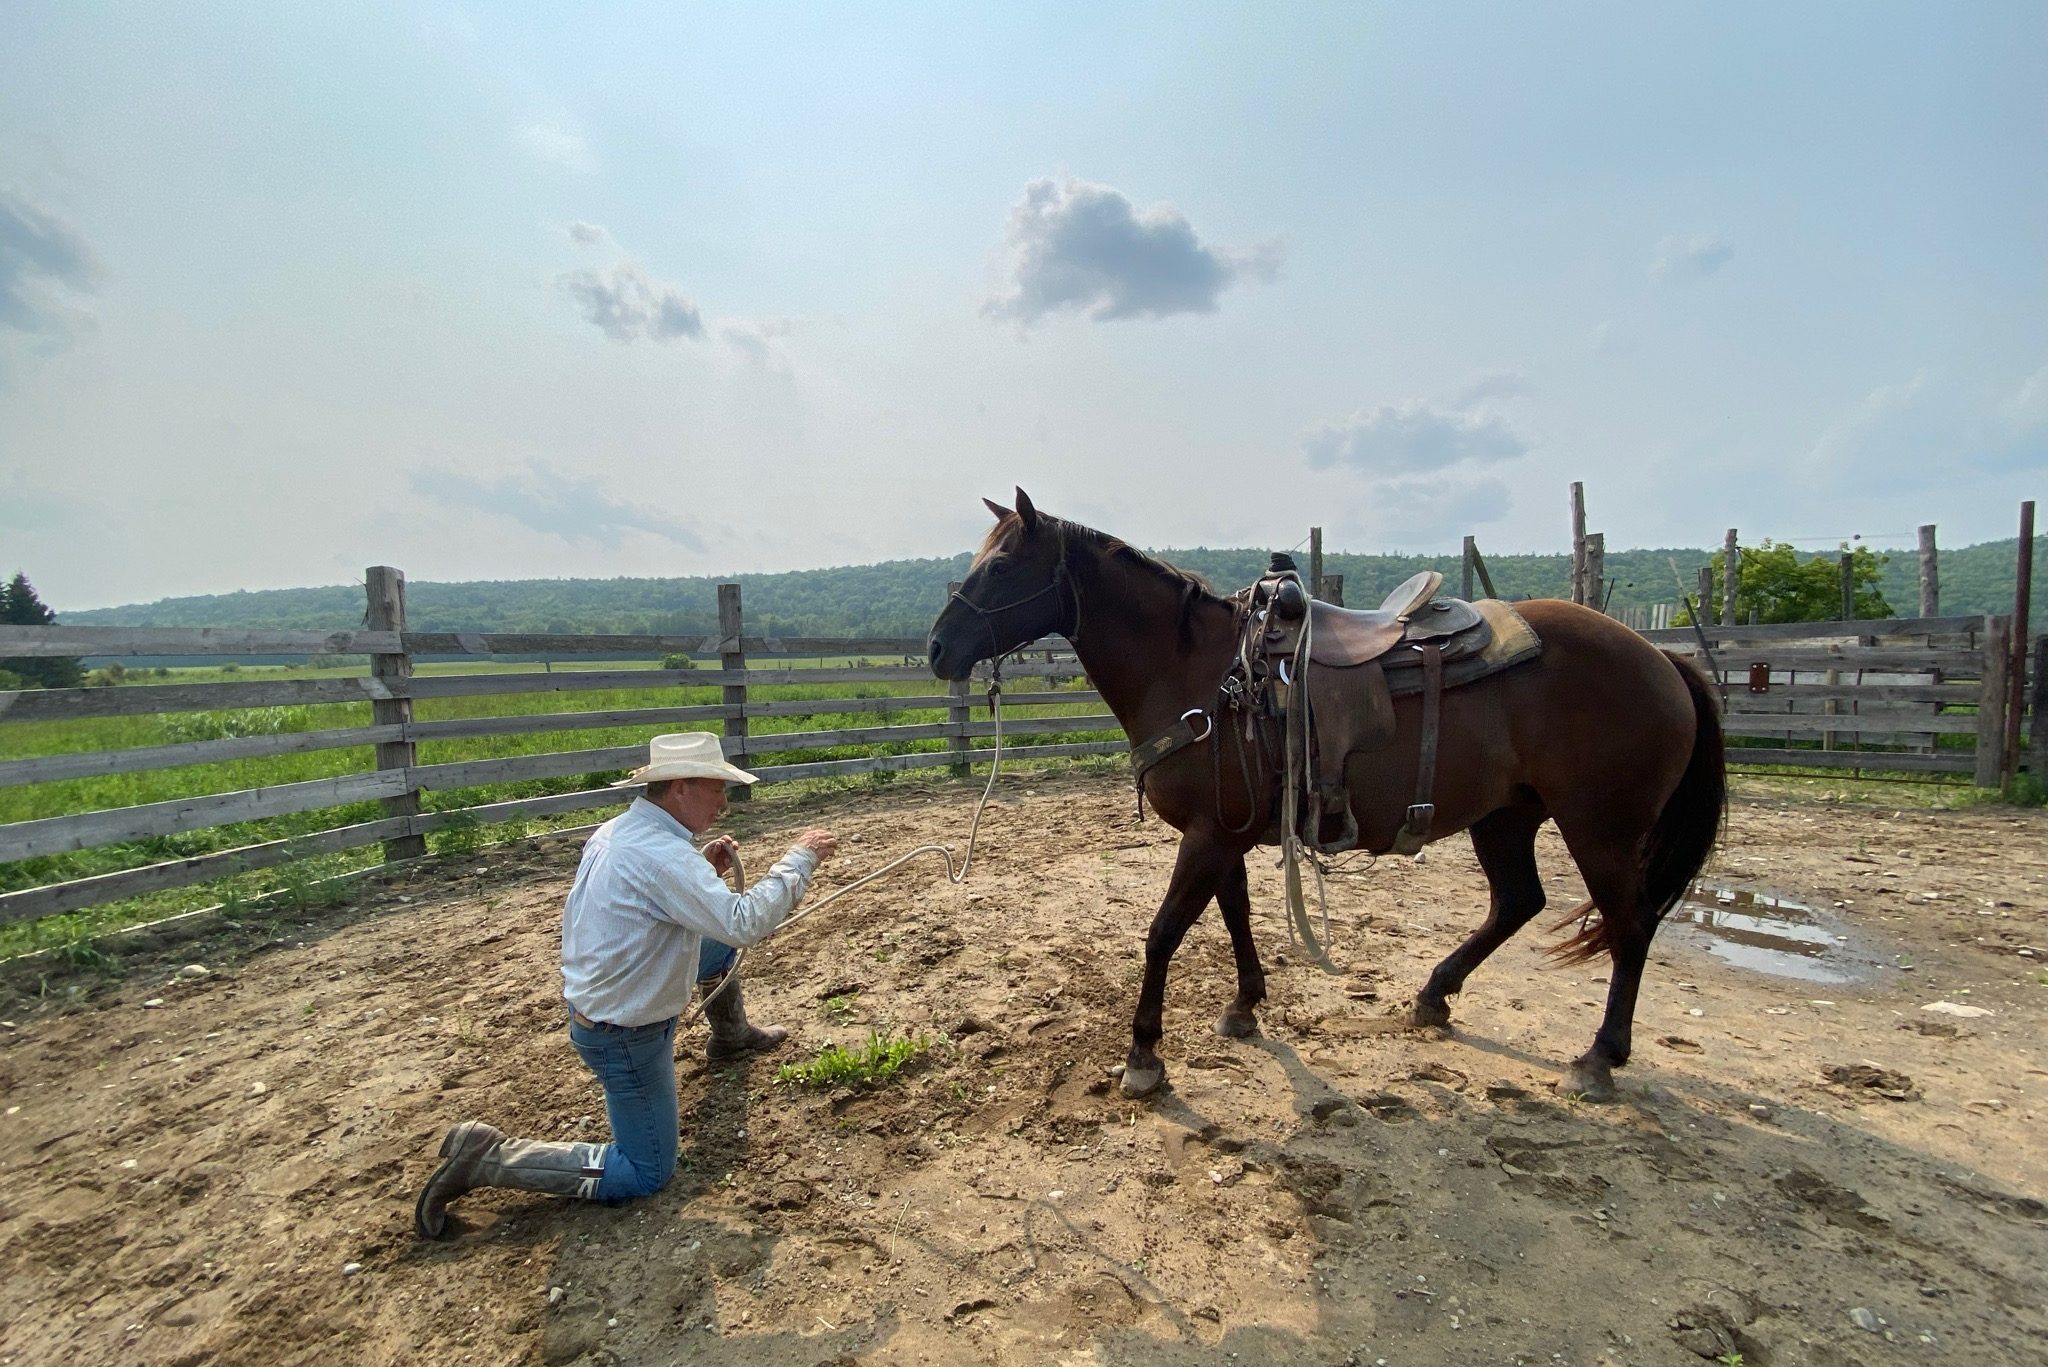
{"points": [[1514, 641]]}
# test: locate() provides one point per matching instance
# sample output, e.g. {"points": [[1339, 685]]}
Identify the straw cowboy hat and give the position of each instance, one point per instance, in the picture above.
{"points": [[685, 754]]}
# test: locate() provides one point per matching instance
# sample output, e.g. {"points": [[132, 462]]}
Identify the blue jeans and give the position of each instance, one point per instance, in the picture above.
{"points": [[714, 959], [636, 1066]]}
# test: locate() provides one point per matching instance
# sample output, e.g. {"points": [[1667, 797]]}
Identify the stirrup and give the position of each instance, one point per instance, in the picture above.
{"points": [[1414, 832]]}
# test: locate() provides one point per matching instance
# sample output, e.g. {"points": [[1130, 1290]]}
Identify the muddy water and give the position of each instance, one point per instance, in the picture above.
{"points": [[1770, 933]]}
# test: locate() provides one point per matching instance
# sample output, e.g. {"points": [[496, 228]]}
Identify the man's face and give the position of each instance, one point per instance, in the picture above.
{"points": [[699, 802]]}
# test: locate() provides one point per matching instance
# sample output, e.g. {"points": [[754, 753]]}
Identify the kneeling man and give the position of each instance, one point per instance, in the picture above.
{"points": [[648, 917]]}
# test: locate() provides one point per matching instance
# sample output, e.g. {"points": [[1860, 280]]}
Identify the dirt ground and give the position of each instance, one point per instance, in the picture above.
{"points": [[220, 1168]]}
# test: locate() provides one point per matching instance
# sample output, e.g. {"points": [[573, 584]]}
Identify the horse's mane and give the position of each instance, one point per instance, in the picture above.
{"points": [[1194, 588]]}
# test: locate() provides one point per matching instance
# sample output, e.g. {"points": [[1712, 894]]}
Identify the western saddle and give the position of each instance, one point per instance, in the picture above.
{"points": [[1317, 682]]}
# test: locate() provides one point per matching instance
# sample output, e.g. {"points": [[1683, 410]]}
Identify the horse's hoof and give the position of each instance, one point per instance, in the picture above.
{"points": [[1589, 1081], [1139, 1082], [1428, 1014], [1235, 1024]]}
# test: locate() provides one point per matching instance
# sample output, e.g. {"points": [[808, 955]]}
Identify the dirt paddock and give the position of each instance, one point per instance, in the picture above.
{"points": [[219, 1168]]}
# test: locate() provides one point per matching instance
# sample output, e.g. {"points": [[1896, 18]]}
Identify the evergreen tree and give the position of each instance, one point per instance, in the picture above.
{"points": [[19, 606]]}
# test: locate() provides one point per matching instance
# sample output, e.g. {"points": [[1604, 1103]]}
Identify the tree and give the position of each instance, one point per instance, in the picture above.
{"points": [[19, 606], [1774, 583]]}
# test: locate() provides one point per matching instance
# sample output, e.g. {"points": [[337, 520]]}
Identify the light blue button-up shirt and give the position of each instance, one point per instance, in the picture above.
{"points": [[643, 900]]}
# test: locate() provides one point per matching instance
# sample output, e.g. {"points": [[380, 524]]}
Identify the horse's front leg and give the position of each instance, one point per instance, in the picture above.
{"points": [[1197, 871], [1234, 900]]}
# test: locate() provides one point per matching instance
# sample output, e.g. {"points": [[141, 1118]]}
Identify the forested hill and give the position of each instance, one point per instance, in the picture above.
{"points": [[900, 597]]}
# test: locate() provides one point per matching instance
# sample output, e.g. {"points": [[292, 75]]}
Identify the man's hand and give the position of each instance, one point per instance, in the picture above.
{"points": [[721, 852], [820, 843]]}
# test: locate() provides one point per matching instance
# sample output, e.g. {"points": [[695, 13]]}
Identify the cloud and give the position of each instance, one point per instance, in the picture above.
{"points": [[586, 234], [1425, 511], [557, 146], [1923, 431], [756, 340], [573, 508], [627, 303], [1080, 247], [1494, 384], [41, 261], [1690, 258], [1403, 438]]}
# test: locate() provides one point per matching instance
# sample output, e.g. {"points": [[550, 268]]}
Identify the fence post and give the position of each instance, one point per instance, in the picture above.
{"points": [[385, 588], [1930, 574], [1991, 702], [1596, 571], [2022, 615], [957, 713], [1731, 582], [1315, 562], [1333, 590], [1578, 593], [1465, 579], [2037, 736], [731, 655]]}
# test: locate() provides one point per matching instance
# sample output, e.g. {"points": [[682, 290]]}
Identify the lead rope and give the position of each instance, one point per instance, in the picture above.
{"points": [[738, 874]]}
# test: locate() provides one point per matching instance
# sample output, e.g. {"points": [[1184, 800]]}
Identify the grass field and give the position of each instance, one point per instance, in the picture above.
{"points": [[35, 801]]}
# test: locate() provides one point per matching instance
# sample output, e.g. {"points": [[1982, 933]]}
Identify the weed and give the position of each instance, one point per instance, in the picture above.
{"points": [[874, 1063], [839, 1007], [1730, 1359], [462, 835], [83, 953], [301, 891], [2026, 791]]}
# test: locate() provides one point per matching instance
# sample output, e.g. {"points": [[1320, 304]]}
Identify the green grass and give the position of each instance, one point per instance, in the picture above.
{"points": [[871, 1065], [36, 801]]}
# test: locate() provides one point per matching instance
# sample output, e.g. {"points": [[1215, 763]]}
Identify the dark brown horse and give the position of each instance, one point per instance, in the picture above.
{"points": [[1602, 733]]}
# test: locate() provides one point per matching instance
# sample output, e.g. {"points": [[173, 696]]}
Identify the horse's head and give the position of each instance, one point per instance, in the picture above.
{"points": [[1018, 589]]}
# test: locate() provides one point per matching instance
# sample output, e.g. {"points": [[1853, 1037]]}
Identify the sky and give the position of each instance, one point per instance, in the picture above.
{"points": [[534, 291]]}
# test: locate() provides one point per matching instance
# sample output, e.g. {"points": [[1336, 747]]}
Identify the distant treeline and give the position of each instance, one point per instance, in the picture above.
{"points": [[900, 597]]}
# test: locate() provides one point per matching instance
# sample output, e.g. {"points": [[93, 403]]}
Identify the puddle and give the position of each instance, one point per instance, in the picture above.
{"points": [[1768, 933]]}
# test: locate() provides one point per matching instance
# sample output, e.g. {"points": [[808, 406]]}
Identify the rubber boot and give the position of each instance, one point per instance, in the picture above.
{"points": [[732, 1035], [478, 1155]]}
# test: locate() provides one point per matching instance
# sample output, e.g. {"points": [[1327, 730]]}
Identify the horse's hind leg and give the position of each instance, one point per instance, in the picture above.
{"points": [[1234, 900], [1505, 841], [1616, 886], [1196, 873]]}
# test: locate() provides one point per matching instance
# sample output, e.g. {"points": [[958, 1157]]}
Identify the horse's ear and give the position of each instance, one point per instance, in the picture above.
{"points": [[1025, 511], [998, 509]]}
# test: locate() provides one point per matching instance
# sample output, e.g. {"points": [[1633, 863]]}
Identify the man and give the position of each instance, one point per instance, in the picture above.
{"points": [[635, 938]]}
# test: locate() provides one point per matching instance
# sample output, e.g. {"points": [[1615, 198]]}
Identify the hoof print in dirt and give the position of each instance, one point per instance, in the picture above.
{"points": [[1867, 1079]]}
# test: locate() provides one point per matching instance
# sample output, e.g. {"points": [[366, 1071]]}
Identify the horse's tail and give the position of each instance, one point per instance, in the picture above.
{"points": [[1686, 830]]}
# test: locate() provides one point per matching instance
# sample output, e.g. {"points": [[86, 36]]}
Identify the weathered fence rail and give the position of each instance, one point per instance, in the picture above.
{"points": [[393, 774], [1878, 696], [1905, 696]]}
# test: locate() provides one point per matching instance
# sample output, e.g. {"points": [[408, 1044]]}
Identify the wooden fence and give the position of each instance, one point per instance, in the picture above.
{"points": [[1912, 696], [398, 780]]}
